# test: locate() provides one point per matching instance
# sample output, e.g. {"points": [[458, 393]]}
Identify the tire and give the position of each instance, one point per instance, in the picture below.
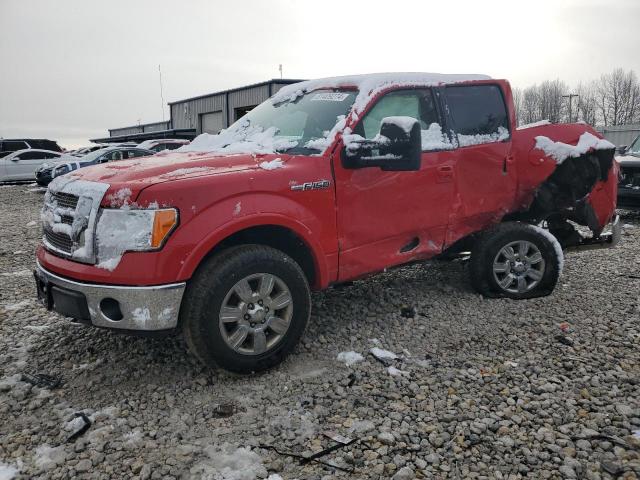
{"points": [[271, 332], [532, 274]]}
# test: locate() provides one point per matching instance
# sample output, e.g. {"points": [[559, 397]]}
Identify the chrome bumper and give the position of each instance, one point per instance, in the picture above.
{"points": [[113, 306], [606, 240]]}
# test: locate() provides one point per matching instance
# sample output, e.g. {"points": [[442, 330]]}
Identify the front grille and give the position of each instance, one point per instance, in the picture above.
{"points": [[64, 200], [59, 241]]}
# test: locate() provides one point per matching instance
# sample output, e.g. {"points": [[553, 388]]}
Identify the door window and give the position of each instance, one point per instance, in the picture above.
{"points": [[418, 104], [30, 156], [478, 113], [13, 145], [135, 153]]}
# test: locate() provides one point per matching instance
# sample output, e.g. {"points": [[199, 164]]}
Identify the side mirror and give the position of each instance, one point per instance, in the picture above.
{"points": [[396, 148], [622, 149]]}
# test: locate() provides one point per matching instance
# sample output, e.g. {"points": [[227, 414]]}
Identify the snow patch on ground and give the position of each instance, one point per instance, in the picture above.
{"points": [[230, 463], [349, 358], [47, 457], [561, 151], [19, 273], [383, 354], [12, 307], [395, 372], [272, 165], [7, 472]]}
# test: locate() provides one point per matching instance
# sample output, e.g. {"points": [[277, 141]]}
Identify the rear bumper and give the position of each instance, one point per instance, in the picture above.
{"points": [[119, 307], [609, 239]]}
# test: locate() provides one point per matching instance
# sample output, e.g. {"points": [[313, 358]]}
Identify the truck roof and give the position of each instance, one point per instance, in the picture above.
{"points": [[371, 83]]}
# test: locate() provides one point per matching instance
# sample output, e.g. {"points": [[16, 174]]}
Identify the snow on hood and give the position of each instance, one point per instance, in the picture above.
{"points": [[369, 85], [560, 151], [239, 138]]}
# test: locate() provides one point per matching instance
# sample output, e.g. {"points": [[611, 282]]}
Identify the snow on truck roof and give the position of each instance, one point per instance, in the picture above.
{"points": [[370, 84]]}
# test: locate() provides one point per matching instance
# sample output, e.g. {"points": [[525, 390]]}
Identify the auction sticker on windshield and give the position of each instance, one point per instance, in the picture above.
{"points": [[329, 97]]}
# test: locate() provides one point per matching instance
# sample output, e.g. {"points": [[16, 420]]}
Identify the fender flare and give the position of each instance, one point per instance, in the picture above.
{"points": [[198, 254]]}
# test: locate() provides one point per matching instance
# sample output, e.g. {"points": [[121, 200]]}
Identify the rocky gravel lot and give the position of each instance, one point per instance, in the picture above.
{"points": [[545, 388]]}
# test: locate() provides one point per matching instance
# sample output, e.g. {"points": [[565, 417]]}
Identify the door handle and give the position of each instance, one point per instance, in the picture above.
{"points": [[445, 173]]}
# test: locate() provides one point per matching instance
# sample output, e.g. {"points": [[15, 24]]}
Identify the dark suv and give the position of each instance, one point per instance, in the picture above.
{"points": [[14, 144], [629, 186]]}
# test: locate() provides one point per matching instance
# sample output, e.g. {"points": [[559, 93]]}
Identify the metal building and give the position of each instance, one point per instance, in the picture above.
{"points": [[215, 111], [202, 114], [620, 135]]}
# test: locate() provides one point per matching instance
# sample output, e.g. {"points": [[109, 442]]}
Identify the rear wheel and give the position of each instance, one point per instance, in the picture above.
{"points": [[516, 260], [245, 309]]}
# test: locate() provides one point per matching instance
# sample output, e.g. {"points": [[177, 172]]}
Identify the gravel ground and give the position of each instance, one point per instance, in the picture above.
{"points": [[545, 388]]}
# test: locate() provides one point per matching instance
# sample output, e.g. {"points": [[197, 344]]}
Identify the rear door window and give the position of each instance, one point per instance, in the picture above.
{"points": [[478, 113]]}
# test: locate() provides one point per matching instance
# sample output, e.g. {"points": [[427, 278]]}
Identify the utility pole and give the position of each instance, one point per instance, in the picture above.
{"points": [[280, 68], [570, 97], [161, 96]]}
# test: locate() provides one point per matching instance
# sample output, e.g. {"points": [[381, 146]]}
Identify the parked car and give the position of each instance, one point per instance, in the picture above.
{"points": [[14, 144], [161, 144], [80, 152], [328, 181], [21, 165], [629, 186], [49, 171]]}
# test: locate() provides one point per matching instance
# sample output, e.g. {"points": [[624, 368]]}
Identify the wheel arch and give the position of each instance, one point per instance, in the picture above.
{"points": [[274, 231]]}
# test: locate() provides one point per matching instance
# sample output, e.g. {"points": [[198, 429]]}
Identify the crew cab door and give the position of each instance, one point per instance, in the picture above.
{"points": [[485, 175], [387, 218]]}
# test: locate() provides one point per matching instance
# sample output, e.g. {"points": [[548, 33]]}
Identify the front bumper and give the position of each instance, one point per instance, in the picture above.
{"points": [[151, 308]]}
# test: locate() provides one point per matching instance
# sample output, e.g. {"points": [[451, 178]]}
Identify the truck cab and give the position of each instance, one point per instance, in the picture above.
{"points": [[328, 181]]}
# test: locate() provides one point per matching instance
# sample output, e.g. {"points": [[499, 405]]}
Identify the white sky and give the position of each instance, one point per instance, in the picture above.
{"points": [[70, 69]]}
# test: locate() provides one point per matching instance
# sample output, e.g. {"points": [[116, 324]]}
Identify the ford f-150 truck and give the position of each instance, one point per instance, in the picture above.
{"points": [[325, 182]]}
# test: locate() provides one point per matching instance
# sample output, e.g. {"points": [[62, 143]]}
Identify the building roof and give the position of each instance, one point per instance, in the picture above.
{"points": [[188, 133], [253, 85]]}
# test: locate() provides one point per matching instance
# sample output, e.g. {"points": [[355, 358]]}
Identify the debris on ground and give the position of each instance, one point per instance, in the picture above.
{"points": [[42, 380], [464, 411]]}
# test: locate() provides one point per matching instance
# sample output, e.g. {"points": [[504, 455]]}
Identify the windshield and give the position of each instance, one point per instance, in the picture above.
{"points": [[310, 117], [634, 149], [305, 125], [93, 155]]}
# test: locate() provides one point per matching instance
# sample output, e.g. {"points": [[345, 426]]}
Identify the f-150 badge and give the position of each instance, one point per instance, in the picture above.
{"points": [[320, 184]]}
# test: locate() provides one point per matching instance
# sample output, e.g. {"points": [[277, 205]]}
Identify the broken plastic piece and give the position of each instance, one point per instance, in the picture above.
{"points": [[81, 431], [42, 380]]}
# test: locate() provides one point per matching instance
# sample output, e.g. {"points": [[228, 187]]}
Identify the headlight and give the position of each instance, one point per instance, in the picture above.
{"points": [[61, 170], [121, 230]]}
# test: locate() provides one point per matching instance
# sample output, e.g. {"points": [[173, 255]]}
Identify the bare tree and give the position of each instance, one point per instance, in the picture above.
{"points": [[587, 104], [517, 104], [530, 105], [552, 106], [619, 97]]}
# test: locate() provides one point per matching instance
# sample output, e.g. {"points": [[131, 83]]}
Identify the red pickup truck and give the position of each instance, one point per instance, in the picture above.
{"points": [[327, 181]]}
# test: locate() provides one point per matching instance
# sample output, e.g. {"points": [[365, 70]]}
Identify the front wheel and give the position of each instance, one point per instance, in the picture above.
{"points": [[246, 308], [516, 260]]}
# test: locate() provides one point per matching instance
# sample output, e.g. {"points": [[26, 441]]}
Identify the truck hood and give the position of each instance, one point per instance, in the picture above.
{"points": [[139, 173]]}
